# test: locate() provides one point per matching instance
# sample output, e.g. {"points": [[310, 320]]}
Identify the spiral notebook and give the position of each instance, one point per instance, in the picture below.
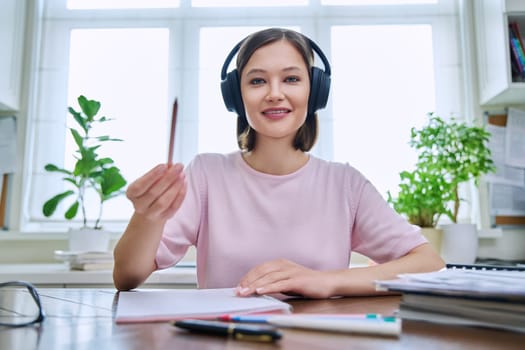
{"points": [[175, 304]]}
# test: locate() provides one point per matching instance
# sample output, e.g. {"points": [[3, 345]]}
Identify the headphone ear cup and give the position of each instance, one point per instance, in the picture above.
{"points": [[319, 90], [231, 93]]}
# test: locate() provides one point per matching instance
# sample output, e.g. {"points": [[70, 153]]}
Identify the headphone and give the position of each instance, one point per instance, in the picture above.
{"points": [[319, 83]]}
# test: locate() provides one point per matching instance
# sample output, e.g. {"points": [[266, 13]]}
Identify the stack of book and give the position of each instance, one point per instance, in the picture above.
{"points": [[484, 298], [517, 49], [86, 260]]}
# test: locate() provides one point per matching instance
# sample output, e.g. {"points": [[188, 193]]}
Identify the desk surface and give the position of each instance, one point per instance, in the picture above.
{"points": [[83, 319]]}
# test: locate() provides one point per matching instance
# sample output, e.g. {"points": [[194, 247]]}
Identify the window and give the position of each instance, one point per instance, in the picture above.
{"points": [[385, 73], [389, 70], [120, 4]]}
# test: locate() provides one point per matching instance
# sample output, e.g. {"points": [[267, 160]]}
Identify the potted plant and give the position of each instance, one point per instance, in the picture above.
{"points": [[450, 153], [423, 197], [90, 173], [458, 151]]}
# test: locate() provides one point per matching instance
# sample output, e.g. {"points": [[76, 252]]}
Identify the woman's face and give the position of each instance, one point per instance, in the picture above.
{"points": [[275, 86]]}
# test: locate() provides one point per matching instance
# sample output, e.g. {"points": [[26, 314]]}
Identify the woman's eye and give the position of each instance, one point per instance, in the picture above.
{"points": [[257, 81], [292, 79]]}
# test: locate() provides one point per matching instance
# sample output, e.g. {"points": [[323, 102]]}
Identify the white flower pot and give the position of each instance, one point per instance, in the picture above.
{"points": [[88, 240], [460, 243], [434, 237]]}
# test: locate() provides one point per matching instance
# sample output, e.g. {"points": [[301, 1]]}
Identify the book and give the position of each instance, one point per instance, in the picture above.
{"points": [[91, 266], [175, 304], [517, 47], [473, 297], [88, 260], [489, 312]]}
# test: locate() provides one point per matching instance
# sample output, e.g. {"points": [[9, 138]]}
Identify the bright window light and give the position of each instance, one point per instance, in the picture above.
{"points": [[250, 3], [376, 2], [120, 4], [383, 84], [127, 71]]}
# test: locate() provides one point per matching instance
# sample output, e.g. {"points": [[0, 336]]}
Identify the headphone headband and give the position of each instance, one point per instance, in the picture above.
{"points": [[313, 45]]}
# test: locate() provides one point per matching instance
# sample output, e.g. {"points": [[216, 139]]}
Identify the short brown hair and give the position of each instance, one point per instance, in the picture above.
{"points": [[306, 136]]}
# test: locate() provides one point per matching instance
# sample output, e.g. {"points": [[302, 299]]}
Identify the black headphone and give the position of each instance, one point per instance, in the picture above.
{"points": [[319, 83]]}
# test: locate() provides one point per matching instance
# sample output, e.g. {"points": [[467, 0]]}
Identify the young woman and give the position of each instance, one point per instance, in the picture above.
{"points": [[270, 218]]}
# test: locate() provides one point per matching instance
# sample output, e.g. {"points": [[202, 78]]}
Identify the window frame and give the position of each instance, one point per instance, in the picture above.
{"points": [[184, 22]]}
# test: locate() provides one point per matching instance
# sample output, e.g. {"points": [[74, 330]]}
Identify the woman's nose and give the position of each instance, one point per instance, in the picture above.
{"points": [[275, 92]]}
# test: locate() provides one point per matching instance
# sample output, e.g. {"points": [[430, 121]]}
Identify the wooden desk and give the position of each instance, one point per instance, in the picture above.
{"points": [[83, 319]]}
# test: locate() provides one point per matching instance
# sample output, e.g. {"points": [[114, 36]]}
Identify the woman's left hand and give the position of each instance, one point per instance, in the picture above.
{"points": [[286, 277]]}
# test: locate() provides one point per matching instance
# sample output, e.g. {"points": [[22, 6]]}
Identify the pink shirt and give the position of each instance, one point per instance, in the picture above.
{"points": [[238, 218]]}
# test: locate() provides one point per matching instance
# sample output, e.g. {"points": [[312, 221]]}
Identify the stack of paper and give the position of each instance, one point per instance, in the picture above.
{"points": [[86, 260], [176, 304], [494, 299]]}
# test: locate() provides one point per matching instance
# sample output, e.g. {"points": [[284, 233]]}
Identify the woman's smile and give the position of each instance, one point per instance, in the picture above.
{"points": [[276, 113]]}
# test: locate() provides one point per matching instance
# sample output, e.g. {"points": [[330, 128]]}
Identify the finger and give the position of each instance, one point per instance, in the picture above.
{"points": [[259, 275], [140, 186], [177, 202], [158, 193], [171, 194], [260, 285], [284, 286], [256, 272]]}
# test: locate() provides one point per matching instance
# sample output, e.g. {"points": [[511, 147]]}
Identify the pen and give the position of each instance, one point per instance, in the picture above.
{"points": [[233, 330], [172, 131]]}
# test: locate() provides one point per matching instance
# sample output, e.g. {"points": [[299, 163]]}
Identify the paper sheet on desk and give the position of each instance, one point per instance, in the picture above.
{"points": [[174, 304], [504, 284]]}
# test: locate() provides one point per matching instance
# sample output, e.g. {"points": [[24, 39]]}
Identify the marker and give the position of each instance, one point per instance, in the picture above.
{"points": [[390, 326], [266, 318], [233, 330], [172, 131]]}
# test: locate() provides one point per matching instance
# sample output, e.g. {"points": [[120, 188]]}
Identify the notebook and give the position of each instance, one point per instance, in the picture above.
{"points": [[175, 304]]}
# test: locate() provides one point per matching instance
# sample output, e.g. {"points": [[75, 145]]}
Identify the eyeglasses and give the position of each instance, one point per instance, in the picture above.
{"points": [[19, 304]]}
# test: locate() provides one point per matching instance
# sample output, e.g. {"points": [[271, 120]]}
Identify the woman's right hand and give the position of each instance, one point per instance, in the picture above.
{"points": [[158, 194]]}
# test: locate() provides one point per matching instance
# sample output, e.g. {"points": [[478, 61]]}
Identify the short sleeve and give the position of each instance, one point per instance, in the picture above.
{"points": [[379, 232]]}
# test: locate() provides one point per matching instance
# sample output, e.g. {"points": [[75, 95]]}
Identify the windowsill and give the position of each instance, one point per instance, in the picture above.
{"points": [[39, 236], [59, 275]]}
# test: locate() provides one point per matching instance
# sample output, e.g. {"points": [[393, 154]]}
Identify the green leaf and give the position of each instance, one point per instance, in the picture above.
{"points": [[89, 107], [79, 119], [79, 140], [54, 168], [72, 211], [112, 181], [51, 205]]}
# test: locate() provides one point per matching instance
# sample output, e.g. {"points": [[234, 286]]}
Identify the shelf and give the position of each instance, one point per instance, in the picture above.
{"points": [[491, 18]]}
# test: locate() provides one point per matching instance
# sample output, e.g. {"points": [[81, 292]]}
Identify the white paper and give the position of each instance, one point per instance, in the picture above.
{"points": [[7, 145], [172, 304], [507, 200], [515, 138], [504, 174], [461, 282]]}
